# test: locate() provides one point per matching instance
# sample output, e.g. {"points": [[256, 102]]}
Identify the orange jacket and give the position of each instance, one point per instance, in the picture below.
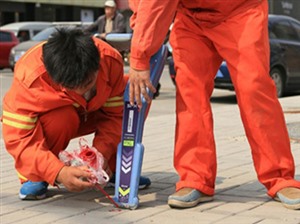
{"points": [[152, 19], [33, 93]]}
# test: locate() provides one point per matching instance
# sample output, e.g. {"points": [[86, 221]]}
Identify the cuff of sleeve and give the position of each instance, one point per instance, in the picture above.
{"points": [[140, 63], [53, 171]]}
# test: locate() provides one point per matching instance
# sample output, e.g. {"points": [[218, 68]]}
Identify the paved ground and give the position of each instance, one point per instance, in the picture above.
{"points": [[239, 198]]}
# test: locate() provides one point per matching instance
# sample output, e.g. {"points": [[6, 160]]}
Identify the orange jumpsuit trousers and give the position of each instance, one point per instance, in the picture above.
{"points": [[63, 124], [242, 40]]}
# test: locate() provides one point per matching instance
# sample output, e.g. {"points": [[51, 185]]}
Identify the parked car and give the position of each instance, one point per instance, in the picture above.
{"points": [[284, 36], [26, 30], [7, 41], [20, 49]]}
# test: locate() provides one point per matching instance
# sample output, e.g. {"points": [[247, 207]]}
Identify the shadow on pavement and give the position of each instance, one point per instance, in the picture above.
{"points": [[228, 99], [163, 185]]}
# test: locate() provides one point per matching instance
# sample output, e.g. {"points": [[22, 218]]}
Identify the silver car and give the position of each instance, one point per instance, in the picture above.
{"points": [[26, 30], [20, 49]]}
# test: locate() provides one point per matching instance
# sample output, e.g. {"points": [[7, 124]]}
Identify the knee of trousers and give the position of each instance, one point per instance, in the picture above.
{"points": [[60, 126]]}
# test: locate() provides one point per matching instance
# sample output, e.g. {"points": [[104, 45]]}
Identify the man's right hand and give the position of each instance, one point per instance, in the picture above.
{"points": [[139, 82], [75, 178]]}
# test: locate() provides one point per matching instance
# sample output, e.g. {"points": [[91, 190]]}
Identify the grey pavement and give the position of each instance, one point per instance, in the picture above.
{"points": [[239, 197]]}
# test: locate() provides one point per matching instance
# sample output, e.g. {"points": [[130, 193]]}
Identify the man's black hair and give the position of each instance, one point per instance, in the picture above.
{"points": [[71, 58]]}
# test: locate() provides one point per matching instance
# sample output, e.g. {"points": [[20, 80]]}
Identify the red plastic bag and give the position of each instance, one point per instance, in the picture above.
{"points": [[86, 156]]}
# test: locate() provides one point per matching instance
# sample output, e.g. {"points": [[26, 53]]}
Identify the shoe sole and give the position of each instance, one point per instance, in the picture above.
{"points": [[173, 203], [31, 197], [289, 206], [293, 207]]}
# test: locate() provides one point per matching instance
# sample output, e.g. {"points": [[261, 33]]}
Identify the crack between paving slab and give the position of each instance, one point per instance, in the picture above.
{"points": [[291, 111]]}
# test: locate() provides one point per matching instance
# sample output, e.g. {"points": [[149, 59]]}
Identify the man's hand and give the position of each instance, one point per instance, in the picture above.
{"points": [[139, 81], [73, 178]]}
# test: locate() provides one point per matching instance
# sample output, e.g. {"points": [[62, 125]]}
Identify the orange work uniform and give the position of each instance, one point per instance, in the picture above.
{"points": [[41, 117], [204, 33]]}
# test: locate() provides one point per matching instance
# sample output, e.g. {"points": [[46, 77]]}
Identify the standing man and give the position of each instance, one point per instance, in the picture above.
{"points": [[204, 33], [111, 22]]}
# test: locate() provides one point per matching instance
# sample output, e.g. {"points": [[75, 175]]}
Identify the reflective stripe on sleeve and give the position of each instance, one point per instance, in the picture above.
{"points": [[19, 117], [114, 102], [18, 121]]}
